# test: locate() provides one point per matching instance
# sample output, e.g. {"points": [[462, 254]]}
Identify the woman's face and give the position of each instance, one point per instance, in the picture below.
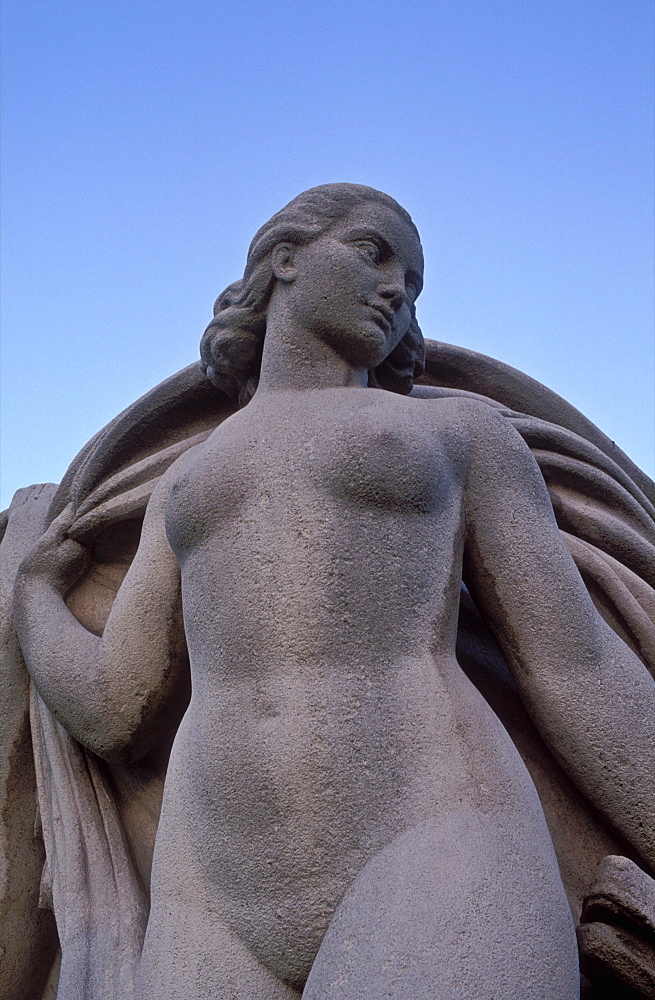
{"points": [[354, 286]]}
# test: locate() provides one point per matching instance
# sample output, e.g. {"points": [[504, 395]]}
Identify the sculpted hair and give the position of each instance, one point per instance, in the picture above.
{"points": [[231, 346]]}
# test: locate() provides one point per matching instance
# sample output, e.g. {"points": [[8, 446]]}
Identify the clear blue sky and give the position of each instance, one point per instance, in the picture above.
{"points": [[145, 142]]}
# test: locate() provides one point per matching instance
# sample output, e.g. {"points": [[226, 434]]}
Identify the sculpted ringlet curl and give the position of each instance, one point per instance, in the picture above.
{"points": [[231, 346]]}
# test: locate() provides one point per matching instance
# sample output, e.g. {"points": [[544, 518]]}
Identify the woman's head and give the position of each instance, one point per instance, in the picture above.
{"points": [[231, 347]]}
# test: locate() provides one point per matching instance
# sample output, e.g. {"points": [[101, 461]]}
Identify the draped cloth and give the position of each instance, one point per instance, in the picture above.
{"points": [[603, 504], [88, 878]]}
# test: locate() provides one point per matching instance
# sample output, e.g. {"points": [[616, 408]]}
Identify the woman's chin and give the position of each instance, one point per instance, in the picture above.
{"points": [[366, 349]]}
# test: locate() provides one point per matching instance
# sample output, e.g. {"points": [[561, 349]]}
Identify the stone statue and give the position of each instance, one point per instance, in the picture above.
{"points": [[377, 623]]}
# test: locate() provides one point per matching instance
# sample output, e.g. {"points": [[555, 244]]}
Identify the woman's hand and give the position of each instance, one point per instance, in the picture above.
{"points": [[56, 558], [117, 693]]}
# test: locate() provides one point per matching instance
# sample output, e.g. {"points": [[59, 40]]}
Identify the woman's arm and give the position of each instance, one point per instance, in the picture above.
{"points": [[591, 697], [112, 693]]}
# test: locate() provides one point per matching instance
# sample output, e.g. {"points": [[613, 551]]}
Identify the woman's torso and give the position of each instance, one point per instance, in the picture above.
{"points": [[320, 537]]}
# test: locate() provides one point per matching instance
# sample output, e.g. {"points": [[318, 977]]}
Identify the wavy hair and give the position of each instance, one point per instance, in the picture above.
{"points": [[231, 346]]}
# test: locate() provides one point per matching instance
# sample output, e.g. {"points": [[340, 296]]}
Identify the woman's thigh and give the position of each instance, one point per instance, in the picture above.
{"points": [[455, 908], [190, 954]]}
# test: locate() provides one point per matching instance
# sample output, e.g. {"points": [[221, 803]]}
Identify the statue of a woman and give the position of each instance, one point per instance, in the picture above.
{"points": [[344, 815]]}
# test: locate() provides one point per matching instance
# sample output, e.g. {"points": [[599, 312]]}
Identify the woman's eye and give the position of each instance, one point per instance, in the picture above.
{"points": [[370, 249]]}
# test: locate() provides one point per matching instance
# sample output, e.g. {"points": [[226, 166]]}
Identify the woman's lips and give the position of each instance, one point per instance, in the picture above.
{"points": [[383, 317]]}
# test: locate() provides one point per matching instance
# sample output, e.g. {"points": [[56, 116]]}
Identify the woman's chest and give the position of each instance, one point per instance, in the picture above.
{"points": [[288, 465]]}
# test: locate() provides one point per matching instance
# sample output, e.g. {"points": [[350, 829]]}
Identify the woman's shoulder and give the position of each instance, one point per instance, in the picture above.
{"points": [[475, 431], [468, 412]]}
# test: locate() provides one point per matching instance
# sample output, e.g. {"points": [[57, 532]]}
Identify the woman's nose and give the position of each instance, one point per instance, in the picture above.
{"points": [[393, 291]]}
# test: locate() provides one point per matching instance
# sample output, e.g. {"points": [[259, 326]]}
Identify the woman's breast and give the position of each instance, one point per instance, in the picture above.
{"points": [[385, 469], [253, 471], [213, 489]]}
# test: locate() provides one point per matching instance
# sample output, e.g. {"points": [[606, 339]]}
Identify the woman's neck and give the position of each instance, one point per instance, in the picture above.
{"points": [[295, 359]]}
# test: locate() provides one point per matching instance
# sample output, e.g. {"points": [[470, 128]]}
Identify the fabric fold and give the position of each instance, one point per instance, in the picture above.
{"points": [[99, 905]]}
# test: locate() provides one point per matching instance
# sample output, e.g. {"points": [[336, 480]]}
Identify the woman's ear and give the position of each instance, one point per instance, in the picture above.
{"points": [[283, 262]]}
